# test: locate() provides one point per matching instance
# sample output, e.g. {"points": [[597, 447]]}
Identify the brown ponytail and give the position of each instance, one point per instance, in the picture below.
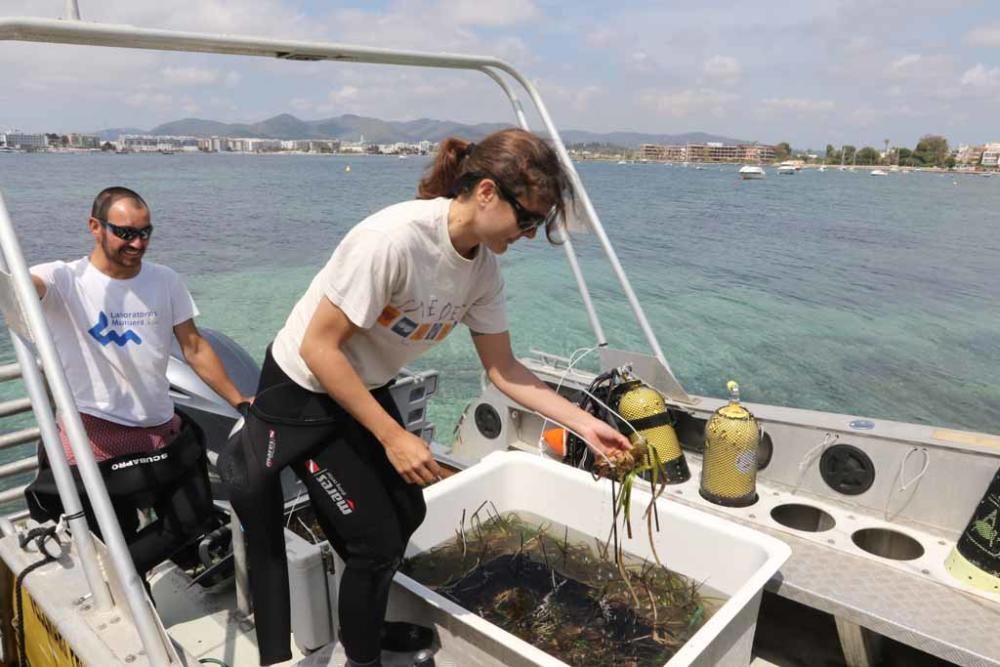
{"points": [[445, 171], [522, 161]]}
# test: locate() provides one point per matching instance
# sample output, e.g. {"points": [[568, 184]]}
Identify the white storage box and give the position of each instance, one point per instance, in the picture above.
{"points": [[729, 558]]}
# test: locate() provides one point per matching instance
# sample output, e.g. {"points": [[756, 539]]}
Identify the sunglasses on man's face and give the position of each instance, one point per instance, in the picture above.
{"points": [[128, 233], [526, 220]]}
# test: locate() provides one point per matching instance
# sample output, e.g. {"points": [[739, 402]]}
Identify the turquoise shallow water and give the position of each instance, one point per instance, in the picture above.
{"points": [[832, 291]]}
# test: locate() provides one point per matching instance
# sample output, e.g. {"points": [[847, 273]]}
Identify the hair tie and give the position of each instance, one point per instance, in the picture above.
{"points": [[467, 151]]}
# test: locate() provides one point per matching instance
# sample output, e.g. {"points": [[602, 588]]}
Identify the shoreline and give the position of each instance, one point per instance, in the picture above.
{"points": [[977, 171]]}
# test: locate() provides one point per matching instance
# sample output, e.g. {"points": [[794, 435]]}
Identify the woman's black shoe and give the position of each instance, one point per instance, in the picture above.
{"points": [[403, 637]]}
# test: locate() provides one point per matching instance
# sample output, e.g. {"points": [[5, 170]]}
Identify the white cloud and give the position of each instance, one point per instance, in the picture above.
{"points": [[904, 66], [272, 18], [723, 68], [797, 105], [189, 76], [864, 116], [640, 61], [146, 100], [688, 102], [337, 101], [579, 99], [980, 78], [915, 69], [600, 38], [301, 105], [987, 35], [425, 29], [488, 14], [402, 94]]}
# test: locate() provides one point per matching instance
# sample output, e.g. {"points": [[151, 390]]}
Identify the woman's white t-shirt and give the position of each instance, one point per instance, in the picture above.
{"points": [[114, 337], [397, 277]]}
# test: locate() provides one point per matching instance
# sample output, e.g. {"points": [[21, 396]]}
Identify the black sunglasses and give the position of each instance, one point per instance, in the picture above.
{"points": [[128, 233], [526, 220]]}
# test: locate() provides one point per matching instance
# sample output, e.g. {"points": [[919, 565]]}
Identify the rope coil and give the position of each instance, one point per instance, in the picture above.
{"points": [[41, 536]]}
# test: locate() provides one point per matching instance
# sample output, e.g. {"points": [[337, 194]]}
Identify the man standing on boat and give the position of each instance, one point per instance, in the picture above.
{"points": [[113, 317]]}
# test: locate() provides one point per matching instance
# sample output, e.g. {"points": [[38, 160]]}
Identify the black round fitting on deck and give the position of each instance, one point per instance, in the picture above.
{"points": [[765, 450], [488, 421], [847, 469]]}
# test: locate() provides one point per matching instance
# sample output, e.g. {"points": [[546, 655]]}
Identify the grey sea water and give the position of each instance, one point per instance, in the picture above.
{"points": [[833, 291]]}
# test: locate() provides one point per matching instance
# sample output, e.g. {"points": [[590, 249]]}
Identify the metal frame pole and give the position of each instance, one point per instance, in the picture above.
{"points": [[68, 495], [581, 283], [592, 216]]}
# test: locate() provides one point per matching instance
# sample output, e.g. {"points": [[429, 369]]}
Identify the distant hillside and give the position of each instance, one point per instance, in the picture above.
{"points": [[350, 127]]}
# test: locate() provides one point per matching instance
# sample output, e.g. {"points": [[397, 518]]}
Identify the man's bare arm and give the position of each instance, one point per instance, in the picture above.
{"points": [[206, 363]]}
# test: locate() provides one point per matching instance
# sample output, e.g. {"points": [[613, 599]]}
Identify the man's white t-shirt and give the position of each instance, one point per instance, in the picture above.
{"points": [[397, 277], [114, 337]]}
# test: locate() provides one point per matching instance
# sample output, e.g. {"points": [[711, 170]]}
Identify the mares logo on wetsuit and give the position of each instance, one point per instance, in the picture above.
{"points": [[272, 444], [331, 486]]}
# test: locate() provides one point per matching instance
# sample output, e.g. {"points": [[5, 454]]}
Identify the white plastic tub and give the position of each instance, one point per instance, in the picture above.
{"points": [[728, 558]]}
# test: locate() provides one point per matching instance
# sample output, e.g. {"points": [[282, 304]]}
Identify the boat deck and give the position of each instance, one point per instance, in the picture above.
{"points": [[937, 619]]}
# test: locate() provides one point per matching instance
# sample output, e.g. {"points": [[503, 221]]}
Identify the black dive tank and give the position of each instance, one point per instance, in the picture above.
{"points": [[975, 559]]}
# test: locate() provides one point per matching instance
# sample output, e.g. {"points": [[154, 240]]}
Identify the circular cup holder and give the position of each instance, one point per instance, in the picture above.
{"points": [[887, 543], [803, 517]]}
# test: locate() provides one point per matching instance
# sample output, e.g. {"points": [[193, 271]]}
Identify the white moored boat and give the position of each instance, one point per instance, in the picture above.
{"points": [[860, 521], [786, 170], [752, 172]]}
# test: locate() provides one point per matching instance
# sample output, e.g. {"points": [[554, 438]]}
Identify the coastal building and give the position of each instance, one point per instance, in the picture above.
{"points": [[83, 140], [317, 145], [151, 143], [707, 152], [659, 153], [991, 155], [25, 141], [969, 155], [352, 147], [757, 153], [719, 152], [257, 145], [212, 144]]}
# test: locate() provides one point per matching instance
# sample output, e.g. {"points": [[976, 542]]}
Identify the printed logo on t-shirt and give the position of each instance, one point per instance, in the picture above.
{"points": [[404, 327], [421, 322], [112, 336]]}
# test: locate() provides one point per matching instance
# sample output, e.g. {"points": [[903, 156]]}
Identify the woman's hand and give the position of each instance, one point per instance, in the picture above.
{"points": [[412, 459], [603, 438]]}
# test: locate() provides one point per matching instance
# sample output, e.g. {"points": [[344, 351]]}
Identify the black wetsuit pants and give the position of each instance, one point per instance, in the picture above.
{"points": [[172, 481], [366, 510]]}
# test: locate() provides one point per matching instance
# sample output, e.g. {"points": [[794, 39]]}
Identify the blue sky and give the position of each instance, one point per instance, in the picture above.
{"points": [[810, 73]]}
